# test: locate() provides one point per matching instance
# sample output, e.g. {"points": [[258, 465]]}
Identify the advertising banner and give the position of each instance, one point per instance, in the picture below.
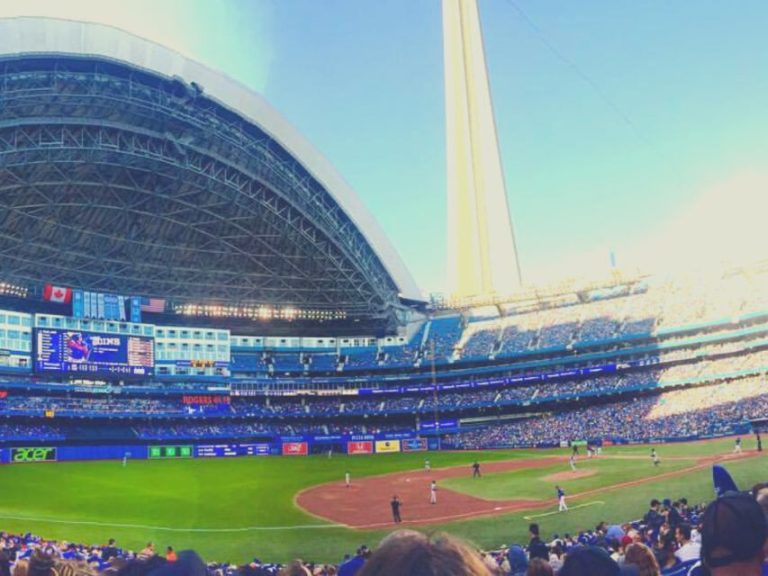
{"points": [[170, 452], [295, 448], [414, 445], [386, 446], [361, 447], [24, 455], [444, 424]]}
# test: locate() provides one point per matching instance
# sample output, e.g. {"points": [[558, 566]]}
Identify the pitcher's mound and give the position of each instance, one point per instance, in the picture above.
{"points": [[569, 475]]}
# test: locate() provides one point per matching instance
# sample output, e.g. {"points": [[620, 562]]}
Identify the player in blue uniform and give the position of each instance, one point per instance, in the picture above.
{"points": [[562, 506]]}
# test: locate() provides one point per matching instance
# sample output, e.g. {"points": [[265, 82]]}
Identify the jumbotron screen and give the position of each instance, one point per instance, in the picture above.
{"points": [[93, 353]]}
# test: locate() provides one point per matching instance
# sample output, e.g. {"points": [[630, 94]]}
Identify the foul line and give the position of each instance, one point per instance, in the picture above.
{"points": [[170, 529], [543, 514]]}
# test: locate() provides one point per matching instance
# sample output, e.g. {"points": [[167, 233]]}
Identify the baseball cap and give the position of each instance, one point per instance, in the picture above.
{"points": [[734, 530]]}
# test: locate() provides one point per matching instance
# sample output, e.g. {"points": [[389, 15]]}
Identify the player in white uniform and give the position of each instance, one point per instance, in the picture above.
{"points": [[572, 462], [433, 492], [737, 446], [125, 459], [427, 466], [347, 479]]}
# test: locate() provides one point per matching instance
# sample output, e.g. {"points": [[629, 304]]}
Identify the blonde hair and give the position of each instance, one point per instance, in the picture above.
{"points": [[21, 568]]}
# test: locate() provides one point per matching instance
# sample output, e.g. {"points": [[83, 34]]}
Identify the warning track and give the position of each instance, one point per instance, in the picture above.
{"points": [[365, 504]]}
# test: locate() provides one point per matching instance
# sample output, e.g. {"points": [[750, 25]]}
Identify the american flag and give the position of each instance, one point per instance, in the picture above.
{"points": [[152, 304]]}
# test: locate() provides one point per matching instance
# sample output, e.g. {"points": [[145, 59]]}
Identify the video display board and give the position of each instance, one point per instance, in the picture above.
{"points": [[93, 353], [229, 450]]}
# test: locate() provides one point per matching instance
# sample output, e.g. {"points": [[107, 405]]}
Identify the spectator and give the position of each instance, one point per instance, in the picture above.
{"points": [[539, 567], [187, 564], [589, 561], [518, 561], [536, 547], [170, 554], [418, 555], [147, 552], [295, 568], [687, 549], [653, 518], [642, 557], [109, 551], [353, 565], [733, 536], [760, 494]]}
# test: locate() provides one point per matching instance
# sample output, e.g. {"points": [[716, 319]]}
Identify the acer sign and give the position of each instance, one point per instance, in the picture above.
{"points": [[22, 455]]}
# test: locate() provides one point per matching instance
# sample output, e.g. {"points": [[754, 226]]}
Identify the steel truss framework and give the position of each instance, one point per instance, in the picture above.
{"points": [[113, 179]]}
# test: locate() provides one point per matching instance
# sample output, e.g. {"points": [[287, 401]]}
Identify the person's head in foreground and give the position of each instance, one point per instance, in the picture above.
{"points": [[642, 557], [733, 536], [415, 554], [539, 567], [593, 561]]}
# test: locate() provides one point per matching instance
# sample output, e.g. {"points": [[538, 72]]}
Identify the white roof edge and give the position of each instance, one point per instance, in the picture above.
{"points": [[27, 35]]}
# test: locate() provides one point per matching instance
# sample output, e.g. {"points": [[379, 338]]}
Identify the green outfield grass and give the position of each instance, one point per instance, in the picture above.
{"points": [[235, 509], [532, 484]]}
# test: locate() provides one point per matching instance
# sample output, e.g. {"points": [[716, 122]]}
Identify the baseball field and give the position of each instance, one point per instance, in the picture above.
{"points": [[278, 508]]}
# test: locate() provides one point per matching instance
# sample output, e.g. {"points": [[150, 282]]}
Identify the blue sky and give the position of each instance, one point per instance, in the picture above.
{"points": [[637, 127]]}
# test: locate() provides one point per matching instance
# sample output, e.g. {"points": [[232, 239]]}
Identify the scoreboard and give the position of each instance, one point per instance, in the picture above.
{"points": [[227, 450], [83, 353]]}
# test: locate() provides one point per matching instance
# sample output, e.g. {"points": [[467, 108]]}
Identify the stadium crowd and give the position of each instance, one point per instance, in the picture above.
{"points": [[642, 309], [705, 411]]}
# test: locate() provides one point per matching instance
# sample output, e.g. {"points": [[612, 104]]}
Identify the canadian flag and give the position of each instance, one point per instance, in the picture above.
{"points": [[57, 294]]}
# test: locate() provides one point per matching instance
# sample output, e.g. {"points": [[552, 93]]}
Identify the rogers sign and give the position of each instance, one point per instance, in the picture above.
{"points": [[295, 449]]}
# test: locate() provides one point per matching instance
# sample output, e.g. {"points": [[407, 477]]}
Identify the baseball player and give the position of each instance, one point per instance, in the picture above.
{"points": [[572, 462], [562, 506], [655, 457], [427, 466], [433, 492], [737, 446], [395, 504], [476, 470], [347, 479]]}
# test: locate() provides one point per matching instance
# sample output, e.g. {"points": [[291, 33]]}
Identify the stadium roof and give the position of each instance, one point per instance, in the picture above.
{"points": [[128, 168]]}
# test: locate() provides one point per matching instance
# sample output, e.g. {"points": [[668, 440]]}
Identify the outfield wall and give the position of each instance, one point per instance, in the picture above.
{"points": [[21, 453]]}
